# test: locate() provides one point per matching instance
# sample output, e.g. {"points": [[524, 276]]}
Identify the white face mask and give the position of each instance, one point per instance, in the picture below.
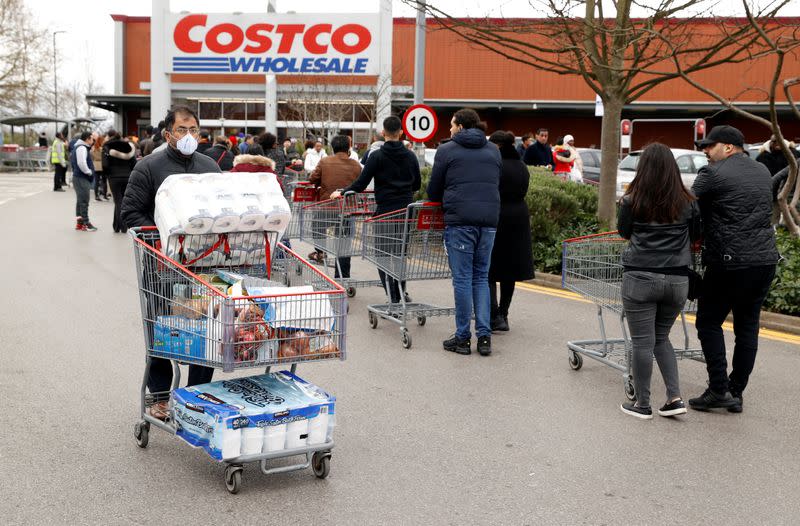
{"points": [[187, 144]]}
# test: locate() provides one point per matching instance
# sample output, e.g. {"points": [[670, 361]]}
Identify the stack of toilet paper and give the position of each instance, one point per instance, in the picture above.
{"points": [[219, 203], [254, 415]]}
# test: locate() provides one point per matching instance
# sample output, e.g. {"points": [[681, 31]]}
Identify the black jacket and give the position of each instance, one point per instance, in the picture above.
{"points": [[538, 154], [465, 178], [775, 161], [277, 155], [221, 156], [119, 158], [138, 205], [512, 255], [396, 172], [736, 204], [659, 246]]}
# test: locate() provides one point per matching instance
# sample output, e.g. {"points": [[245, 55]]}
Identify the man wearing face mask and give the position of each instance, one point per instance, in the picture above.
{"points": [[739, 254], [138, 207]]}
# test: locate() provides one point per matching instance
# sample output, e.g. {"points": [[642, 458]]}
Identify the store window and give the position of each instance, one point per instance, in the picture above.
{"points": [[256, 111], [233, 110], [210, 110]]}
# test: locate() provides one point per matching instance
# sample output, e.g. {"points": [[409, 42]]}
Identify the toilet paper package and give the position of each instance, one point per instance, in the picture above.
{"points": [[215, 203], [253, 415]]}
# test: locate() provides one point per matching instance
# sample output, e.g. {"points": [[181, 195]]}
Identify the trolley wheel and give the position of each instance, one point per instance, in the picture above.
{"points": [[373, 320], [351, 292], [421, 320], [575, 360], [321, 463], [141, 432], [233, 479], [630, 391], [406, 337]]}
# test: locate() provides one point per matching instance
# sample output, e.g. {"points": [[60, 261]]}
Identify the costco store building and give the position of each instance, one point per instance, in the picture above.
{"points": [[216, 64]]}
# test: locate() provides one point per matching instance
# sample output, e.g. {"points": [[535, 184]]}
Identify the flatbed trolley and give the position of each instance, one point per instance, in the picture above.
{"points": [[591, 267], [408, 245], [335, 226], [228, 332]]}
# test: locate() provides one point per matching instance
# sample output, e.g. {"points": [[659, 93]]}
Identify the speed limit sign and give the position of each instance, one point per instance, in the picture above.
{"points": [[420, 123]]}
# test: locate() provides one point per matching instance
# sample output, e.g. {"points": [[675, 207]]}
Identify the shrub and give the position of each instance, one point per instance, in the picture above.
{"points": [[559, 210], [784, 296]]}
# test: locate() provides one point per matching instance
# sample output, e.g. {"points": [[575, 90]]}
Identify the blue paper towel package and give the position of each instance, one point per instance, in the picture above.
{"points": [[253, 415], [177, 336]]}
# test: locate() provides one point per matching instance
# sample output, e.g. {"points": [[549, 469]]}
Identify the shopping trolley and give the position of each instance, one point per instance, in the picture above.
{"points": [[591, 267], [189, 317], [301, 194], [335, 226], [288, 181], [408, 245]]}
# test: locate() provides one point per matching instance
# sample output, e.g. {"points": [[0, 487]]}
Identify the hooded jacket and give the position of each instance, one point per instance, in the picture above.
{"points": [[775, 161], [119, 158], [138, 205], [253, 163], [465, 178], [395, 170], [735, 197]]}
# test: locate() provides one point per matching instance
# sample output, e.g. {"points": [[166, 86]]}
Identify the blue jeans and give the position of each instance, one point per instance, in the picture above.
{"points": [[469, 251]]}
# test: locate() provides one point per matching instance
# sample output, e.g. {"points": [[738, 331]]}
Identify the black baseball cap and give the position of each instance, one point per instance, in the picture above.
{"points": [[724, 134]]}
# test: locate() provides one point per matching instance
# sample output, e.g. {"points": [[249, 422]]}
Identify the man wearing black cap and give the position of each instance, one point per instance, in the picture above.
{"points": [[739, 254]]}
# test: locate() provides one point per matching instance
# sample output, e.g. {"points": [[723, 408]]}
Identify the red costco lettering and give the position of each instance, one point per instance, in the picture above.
{"points": [[212, 38], [310, 38], [181, 33], [364, 39], [254, 35], [258, 38], [289, 31]]}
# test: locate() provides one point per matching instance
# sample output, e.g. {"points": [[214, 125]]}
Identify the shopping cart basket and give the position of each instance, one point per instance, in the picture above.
{"points": [[335, 227], [189, 317], [288, 181], [302, 193], [591, 267], [408, 245]]}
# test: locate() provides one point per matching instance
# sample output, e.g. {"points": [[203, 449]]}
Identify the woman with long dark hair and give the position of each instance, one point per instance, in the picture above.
{"points": [[661, 219]]}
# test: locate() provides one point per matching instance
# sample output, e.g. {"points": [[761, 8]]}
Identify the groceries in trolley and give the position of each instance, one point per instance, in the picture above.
{"points": [[251, 321], [220, 203], [254, 415]]}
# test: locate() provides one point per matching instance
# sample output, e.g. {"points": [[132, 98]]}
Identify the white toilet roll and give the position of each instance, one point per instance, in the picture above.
{"points": [[297, 434], [252, 440], [274, 438], [318, 428], [231, 443]]}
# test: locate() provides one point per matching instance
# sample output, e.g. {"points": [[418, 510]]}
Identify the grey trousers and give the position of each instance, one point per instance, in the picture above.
{"points": [[652, 302], [82, 187]]}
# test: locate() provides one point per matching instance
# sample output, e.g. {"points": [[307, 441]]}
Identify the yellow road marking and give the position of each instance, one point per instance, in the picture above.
{"points": [[769, 334]]}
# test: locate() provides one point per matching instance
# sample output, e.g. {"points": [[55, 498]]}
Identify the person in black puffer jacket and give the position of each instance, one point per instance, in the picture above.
{"points": [[138, 209], [465, 178], [739, 253], [119, 158]]}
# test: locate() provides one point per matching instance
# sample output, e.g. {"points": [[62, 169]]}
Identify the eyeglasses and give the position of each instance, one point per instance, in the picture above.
{"points": [[181, 131]]}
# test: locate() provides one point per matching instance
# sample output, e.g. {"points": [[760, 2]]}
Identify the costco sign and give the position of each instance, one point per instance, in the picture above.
{"points": [[269, 43]]}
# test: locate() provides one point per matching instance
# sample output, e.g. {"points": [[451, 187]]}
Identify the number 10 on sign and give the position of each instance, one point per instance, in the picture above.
{"points": [[420, 123]]}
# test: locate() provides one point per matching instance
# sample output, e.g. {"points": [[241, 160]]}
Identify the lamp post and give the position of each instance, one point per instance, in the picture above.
{"points": [[55, 77]]}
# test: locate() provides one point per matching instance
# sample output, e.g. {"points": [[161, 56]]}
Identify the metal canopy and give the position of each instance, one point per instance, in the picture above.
{"points": [[27, 120], [116, 103]]}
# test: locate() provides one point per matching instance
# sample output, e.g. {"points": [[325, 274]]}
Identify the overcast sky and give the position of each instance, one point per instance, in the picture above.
{"points": [[88, 45]]}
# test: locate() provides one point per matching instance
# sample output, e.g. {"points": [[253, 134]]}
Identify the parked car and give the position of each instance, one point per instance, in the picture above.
{"points": [[591, 165], [689, 162]]}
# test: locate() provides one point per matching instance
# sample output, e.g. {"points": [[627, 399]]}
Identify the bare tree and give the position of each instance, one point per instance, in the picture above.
{"points": [[783, 45], [319, 108], [619, 57], [23, 73]]}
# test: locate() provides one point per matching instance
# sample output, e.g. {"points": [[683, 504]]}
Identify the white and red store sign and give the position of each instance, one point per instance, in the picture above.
{"points": [[270, 43]]}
